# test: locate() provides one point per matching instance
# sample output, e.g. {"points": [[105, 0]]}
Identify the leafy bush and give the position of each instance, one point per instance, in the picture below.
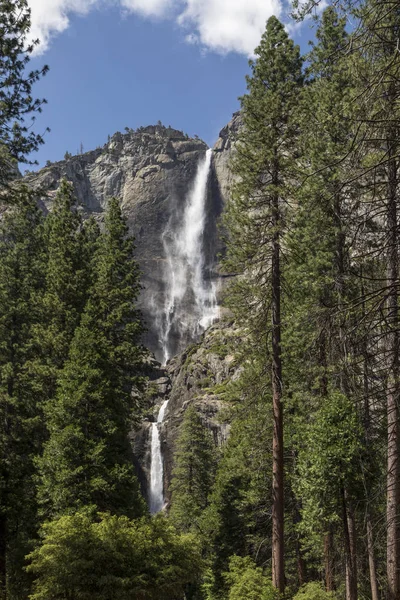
{"points": [[313, 591], [248, 582], [113, 558]]}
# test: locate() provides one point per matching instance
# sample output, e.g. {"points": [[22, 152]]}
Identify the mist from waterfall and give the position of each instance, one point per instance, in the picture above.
{"points": [[186, 275], [156, 495]]}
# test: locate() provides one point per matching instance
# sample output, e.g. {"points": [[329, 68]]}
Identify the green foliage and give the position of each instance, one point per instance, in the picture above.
{"points": [[17, 140], [246, 581], [87, 460], [193, 472], [263, 165], [66, 287], [112, 558], [22, 276], [237, 520], [329, 453], [313, 591]]}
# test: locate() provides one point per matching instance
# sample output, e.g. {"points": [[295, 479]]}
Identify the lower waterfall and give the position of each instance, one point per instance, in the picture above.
{"points": [[156, 496]]}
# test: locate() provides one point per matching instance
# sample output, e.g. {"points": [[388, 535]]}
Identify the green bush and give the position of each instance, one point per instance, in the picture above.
{"points": [[246, 581], [313, 591], [113, 558]]}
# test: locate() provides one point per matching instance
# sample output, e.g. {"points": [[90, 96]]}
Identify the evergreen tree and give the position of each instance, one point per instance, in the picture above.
{"points": [[87, 460], [17, 105], [237, 520], [67, 281], [256, 219], [380, 72], [193, 472], [22, 274], [321, 280]]}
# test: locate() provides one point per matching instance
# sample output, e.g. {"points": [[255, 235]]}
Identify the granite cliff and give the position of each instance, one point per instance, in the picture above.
{"points": [[151, 170]]}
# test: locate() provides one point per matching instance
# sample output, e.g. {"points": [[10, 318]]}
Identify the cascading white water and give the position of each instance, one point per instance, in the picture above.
{"points": [[186, 281], [156, 495], [185, 270]]}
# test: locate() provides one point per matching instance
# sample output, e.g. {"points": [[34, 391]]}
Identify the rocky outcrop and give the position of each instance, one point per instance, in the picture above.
{"points": [[223, 151], [198, 376]]}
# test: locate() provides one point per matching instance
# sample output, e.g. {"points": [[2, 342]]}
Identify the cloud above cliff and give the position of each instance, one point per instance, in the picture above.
{"points": [[228, 25], [217, 25]]}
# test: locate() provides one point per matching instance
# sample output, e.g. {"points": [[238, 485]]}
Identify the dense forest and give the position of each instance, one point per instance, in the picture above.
{"points": [[303, 501]]}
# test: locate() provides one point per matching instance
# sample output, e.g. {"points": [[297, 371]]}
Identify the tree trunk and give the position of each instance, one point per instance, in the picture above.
{"points": [[278, 575], [392, 483], [3, 559], [371, 560], [350, 545], [367, 439], [328, 558]]}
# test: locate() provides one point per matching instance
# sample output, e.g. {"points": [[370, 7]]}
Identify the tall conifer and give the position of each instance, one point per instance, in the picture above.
{"points": [[193, 472], [22, 274], [256, 220], [87, 460]]}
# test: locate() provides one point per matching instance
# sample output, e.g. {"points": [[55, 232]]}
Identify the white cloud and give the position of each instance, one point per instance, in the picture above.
{"points": [[50, 17], [218, 25], [149, 8], [229, 25]]}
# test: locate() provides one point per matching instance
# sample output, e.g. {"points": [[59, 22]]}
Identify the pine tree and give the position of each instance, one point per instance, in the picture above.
{"points": [[17, 140], [256, 219], [193, 472], [237, 521], [320, 277], [376, 73], [87, 460], [67, 281], [22, 274]]}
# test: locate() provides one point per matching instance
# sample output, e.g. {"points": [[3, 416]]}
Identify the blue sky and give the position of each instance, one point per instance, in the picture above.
{"points": [[111, 69]]}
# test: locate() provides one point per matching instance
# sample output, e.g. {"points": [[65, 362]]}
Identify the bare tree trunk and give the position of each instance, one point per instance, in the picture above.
{"points": [[367, 438], [350, 545], [371, 560], [392, 483], [278, 568]]}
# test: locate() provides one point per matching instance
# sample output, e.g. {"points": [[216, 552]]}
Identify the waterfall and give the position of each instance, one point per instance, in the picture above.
{"points": [[157, 468], [186, 273]]}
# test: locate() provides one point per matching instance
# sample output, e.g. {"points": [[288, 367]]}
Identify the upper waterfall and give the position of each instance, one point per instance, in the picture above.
{"points": [[186, 272]]}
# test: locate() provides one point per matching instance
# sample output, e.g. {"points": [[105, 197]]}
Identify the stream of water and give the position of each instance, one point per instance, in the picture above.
{"points": [[156, 495]]}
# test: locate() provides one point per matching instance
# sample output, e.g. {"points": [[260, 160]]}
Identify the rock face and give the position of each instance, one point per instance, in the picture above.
{"points": [[197, 376], [151, 170], [223, 150]]}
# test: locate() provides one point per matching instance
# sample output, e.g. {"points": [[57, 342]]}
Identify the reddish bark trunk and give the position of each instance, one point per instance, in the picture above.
{"points": [[328, 558]]}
